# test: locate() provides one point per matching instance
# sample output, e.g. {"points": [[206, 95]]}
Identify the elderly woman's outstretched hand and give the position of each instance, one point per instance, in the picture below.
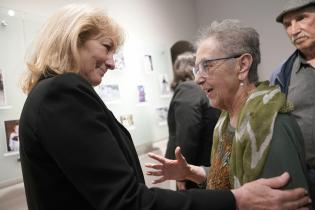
{"points": [[168, 169]]}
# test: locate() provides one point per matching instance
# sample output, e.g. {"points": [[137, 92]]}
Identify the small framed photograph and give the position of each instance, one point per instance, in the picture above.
{"points": [[2, 93], [164, 86], [148, 64], [109, 93], [119, 60], [12, 136], [127, 121], [161, 113], [141, 94]]}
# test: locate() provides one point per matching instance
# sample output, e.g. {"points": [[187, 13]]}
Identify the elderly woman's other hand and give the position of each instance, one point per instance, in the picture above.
{"points": [[168, 169]]}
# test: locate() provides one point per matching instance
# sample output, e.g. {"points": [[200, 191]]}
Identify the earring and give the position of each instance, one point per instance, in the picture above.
{"points": [[242, 84]]}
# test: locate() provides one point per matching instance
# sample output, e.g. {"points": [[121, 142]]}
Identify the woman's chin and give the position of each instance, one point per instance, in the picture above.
{"points": [[96, 81]]}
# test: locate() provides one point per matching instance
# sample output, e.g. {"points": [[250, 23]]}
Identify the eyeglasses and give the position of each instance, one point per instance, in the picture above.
{"points": [[204, 66]]}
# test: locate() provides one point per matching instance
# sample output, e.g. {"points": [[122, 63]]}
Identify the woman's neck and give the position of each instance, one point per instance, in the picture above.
{"points": [[240, 99]]}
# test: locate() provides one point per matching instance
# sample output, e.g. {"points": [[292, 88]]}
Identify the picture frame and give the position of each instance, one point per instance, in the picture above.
{"points": [[119, 60], [2, 90], [161, 113], [141, 94], [12, 136], [109, 93], [127, 121], [165, 90], [148, 63]]}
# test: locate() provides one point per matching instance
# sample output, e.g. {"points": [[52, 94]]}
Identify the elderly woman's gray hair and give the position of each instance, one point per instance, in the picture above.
{"points": [[234, 39]]}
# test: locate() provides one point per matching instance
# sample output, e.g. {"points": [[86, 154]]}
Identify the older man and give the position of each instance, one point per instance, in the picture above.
{"points": [[296, 76]]}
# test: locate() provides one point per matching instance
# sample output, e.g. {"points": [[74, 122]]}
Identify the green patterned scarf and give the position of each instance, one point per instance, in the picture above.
{"points": [[253, 132]]}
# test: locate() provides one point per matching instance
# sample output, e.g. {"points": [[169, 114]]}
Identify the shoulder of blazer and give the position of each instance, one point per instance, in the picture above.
{"points": [[70, 80], [188, 86], [68, 83], [63, 82], [189, 95]]}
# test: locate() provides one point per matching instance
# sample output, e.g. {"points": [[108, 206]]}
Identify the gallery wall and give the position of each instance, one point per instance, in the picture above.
{"points": [[137, 91]]}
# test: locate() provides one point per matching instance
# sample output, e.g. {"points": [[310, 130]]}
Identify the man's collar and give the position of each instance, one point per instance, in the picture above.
{"points": [[299, 62]]}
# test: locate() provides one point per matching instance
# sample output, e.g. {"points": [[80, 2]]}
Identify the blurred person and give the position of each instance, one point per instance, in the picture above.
{"points": [[191, 119], [76, 155]]}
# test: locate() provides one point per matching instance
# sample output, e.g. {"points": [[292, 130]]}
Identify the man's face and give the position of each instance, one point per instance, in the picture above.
{"points": [[300, 27]]}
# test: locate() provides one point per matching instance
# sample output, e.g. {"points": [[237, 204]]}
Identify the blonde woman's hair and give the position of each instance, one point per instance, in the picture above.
{"points": [[56, 49], [183, 68]]}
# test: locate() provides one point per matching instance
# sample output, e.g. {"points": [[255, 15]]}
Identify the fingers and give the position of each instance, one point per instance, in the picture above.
{"points": [[296, 193], [154, 173], [299, 204], [160, 180], [156, 157], [154, 166], [178, 154], [276, 182], [296, 198]]}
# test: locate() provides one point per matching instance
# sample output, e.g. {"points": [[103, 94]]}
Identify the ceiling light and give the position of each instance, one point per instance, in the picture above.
{"points": [[11, 12]]}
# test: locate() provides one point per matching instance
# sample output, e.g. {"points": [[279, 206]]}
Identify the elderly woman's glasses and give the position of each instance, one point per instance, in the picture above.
{"points": [[205, 65]]}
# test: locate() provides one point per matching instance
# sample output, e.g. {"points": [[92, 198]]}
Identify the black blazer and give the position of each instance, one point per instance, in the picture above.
{"points": [[76, 155], [191, 121]]}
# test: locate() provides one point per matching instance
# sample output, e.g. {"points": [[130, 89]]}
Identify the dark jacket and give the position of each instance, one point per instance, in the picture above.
{"points": [[286, 153], [76, 155], [191, 121], [282, 75]]}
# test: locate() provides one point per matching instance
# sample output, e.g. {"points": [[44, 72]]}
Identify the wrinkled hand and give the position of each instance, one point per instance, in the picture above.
{"points": [[265, 194], [168, 169]]}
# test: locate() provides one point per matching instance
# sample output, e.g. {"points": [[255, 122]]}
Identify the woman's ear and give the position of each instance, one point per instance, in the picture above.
{"points": [[245, 62]]}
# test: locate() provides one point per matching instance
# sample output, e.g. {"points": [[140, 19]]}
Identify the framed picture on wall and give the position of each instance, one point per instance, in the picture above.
{"points": [[161, 113], [2, 93], [164, 86], [148, 64], [119, 60], [127, 121], [109, 92], [141, 94], [12, 136]]}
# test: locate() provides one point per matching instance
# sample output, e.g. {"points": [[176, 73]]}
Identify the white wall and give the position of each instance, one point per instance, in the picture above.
{"points": [[275, 45], [144, 20]]}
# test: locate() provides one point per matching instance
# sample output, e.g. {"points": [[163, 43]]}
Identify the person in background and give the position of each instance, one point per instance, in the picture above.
{"points": [[191, 119], [296, 76], [76, 155], [255, 136]]}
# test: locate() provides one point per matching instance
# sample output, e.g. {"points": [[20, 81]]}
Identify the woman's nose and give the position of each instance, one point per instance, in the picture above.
{"points": [[199, 79], [110, 62]]}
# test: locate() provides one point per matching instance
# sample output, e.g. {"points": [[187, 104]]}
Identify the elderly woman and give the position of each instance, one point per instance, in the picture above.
{"points": [[74, 153], [255, 135], [190, 119]]}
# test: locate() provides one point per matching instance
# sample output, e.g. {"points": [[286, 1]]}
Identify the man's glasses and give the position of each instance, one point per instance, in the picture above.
{"points": [[205, 65]]}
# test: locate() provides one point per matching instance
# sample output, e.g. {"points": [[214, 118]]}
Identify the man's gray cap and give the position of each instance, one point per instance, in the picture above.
{"points": [[293, 5]]}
